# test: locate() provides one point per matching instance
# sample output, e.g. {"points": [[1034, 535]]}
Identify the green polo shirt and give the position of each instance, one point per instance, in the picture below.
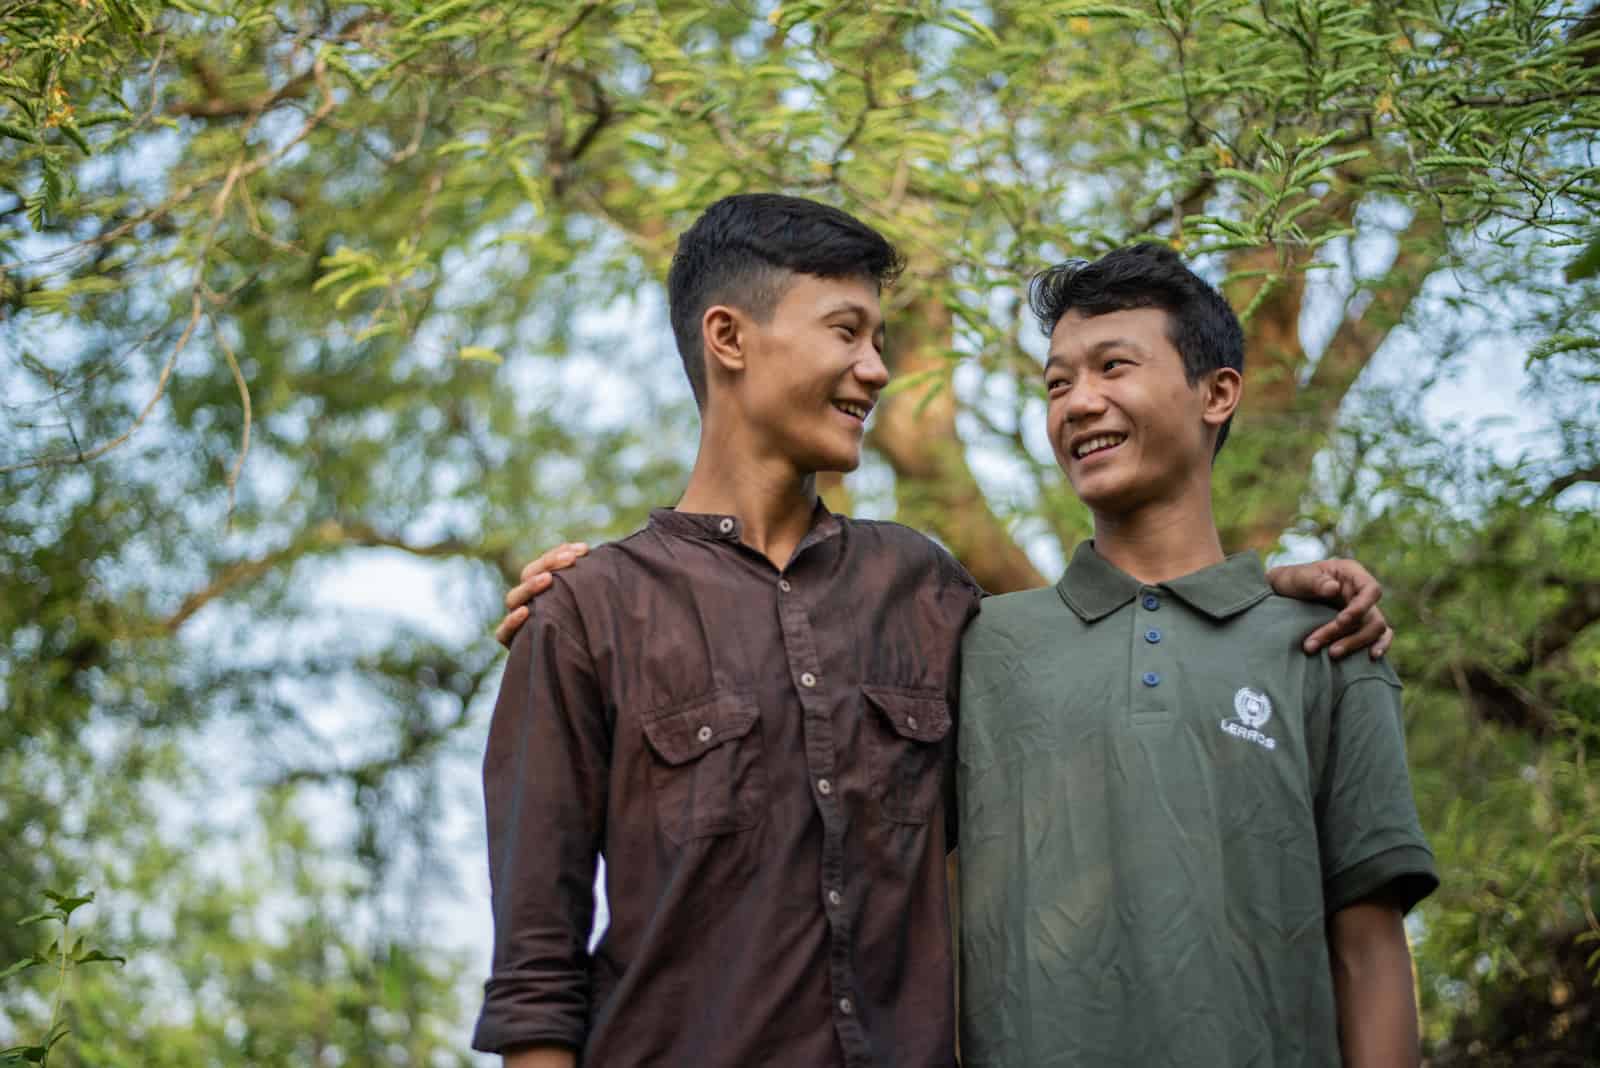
{"points": [[1162, 799]]}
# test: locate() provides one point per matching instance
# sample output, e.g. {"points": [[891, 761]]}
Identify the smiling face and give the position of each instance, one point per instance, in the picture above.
{"points": [[1127, 427], [805, 380]]}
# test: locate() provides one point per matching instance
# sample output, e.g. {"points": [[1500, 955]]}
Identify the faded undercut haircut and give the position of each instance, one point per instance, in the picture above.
{"points": [[1200, 324], [744, 249]]}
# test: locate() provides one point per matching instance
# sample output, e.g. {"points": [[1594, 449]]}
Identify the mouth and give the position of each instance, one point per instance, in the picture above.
{"points": [[1096, 444], [854, 409]]}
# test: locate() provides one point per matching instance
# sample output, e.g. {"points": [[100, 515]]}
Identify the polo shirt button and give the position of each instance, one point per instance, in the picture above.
{"points": [[1152, 679], [726, 526], [704, 734], [911, 723], [1152, 635], [834, 898], [808, 680], [846, 1006], [824, 787], [1151, 602], [783, 584]]}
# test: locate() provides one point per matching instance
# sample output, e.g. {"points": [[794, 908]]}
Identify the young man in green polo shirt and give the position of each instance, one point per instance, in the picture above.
{"points": [[1184, 842]]}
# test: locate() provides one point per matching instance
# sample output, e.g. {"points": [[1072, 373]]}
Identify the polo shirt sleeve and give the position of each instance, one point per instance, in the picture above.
{"points": [[544, 776], [1370, 838]]}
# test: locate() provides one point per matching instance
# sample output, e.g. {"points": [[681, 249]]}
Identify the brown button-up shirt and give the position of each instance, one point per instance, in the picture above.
{"points": [[761, 756]]}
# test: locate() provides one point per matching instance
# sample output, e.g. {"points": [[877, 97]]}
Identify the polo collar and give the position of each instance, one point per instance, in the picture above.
{"points": [[710, 527], [1094, 588]]}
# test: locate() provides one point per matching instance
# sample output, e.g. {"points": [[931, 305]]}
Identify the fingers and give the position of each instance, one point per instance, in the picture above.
{"points": [[1373, 629], [527, 590], [562, 556], [509, 626], [1359, 590], [1381, 646], [1305, 582], [535, 580]]}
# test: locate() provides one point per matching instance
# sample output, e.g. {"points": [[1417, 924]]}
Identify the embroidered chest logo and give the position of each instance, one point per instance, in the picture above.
{"points": [[1253, 709]]}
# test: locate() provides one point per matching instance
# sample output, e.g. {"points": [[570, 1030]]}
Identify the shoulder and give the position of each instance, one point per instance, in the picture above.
{"points": [[591, 583], [1004, 619], [911, 547], [898, 536], [1287, 620]]}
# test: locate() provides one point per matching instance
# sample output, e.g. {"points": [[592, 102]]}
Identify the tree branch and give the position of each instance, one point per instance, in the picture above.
{"points": [[935, 487], [328, 537], [1506, 694]]}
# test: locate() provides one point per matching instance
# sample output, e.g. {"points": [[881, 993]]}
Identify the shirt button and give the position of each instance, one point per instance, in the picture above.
{"points": [[704, 734], [1151, 602], [834, 898], [911, 723], [1152, 635], [783, 584], [808, 679], [1152, 679], [824, 787], [726, 526], [846, 1006]]}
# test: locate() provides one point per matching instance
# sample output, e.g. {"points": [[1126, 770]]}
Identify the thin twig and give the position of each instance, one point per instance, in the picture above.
{"points": [[60, 460], [244, 402]]}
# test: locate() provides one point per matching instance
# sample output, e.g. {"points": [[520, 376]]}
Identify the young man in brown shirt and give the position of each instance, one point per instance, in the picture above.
{"points": [[746, 708]]}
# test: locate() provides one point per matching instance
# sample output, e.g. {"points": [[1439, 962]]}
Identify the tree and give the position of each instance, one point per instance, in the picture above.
{"points": [[287, 284]]}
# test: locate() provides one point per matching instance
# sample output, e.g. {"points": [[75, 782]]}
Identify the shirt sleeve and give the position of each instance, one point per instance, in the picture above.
{"points": [[544, 781], [1370, 838], [962, 596]]}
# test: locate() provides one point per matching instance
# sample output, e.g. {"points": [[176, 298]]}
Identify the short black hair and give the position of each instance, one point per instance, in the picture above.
{"points": [[1200, 324], [743, 250]]}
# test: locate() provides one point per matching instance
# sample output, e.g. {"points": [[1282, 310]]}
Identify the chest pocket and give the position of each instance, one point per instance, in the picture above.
{"points": [[707, 774], [906, 748]]}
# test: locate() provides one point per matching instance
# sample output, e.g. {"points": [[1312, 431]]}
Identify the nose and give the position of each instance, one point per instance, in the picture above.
{"points": [[1084, 400], [871, 371]]}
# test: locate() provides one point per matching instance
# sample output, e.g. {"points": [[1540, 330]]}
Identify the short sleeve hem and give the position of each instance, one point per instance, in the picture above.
{"points": [[1404, 875]]}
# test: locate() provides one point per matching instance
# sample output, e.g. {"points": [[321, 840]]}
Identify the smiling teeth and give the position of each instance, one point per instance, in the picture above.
{"points": [[1104, 441], [852, 409]]}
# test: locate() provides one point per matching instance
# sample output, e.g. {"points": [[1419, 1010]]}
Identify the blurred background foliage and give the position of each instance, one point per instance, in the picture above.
{"points": [[318, 319]]}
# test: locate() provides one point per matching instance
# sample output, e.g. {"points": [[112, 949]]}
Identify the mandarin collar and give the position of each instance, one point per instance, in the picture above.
{"points": [[710, 527], [1094, 588]]}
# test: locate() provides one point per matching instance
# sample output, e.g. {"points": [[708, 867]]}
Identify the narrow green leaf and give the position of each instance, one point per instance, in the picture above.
{"points": [[480, 353]]}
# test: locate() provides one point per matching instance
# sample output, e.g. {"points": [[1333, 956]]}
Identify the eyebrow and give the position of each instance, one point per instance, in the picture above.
{"points": [[1058, 360]]}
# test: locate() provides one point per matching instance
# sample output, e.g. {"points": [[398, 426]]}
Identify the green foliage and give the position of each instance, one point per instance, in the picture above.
{"points": [[286, 287], [65, 956]]}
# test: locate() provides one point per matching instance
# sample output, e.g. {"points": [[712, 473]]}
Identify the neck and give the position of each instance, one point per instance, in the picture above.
{"points": [[1161, 540], [772, 500]]}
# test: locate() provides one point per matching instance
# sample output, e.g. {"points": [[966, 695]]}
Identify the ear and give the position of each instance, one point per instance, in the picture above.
{"points": [[724, 334], [1222, 390]]}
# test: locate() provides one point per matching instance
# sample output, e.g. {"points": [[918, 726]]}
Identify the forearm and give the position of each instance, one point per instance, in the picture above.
{"points": [[1373, 984], [541, 1057]]}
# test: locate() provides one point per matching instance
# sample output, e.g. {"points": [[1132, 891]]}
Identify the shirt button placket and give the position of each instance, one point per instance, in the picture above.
{"points": [[1150, 685]]}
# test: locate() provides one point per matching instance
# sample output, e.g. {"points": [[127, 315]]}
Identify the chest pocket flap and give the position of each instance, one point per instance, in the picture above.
{"points": [[920, 715], [907, 756], [685, 732], [708, 777]]}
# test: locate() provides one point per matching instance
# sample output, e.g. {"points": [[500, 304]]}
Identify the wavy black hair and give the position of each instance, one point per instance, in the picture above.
{"points": [[1200, 324], [743, 251]]}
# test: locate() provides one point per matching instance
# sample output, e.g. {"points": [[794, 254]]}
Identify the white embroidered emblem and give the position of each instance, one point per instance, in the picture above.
{"points": [[1253, 709], [1252, 706]]}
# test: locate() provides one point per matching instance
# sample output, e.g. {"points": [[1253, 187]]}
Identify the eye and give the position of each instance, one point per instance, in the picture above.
{"points": [[846, 331], [1115, 361], [1056, 385]]}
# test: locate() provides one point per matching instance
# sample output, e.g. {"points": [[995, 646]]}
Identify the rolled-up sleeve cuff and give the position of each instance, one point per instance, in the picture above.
{"points": [[1403, 876], [524, 1010]]}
